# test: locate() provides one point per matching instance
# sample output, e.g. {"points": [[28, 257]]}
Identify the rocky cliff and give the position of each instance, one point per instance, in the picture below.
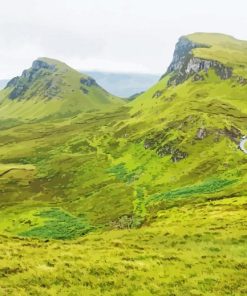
{"points": [[20, 84], [185, 65]]}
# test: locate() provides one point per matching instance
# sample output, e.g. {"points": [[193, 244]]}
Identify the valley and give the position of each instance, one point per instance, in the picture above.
{"points": [[146, 197]]}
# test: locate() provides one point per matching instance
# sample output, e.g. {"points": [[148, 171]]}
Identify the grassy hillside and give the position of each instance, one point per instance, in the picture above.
{"points": [[51, 88], [189, 250], [145, 199], [223, 48]]}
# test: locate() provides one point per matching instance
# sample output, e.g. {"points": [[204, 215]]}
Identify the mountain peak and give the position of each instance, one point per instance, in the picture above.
{"points": [[40, 63], [41, 69], [211, 38], [50, 63], [49, 81], [196, 54], [183, 48]]}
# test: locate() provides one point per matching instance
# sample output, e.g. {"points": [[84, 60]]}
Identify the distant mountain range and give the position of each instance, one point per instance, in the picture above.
{"points": [[123, 85]]}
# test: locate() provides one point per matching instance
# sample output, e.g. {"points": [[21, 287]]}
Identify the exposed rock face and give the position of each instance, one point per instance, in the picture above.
{"points": [[234, 134], [176, 154], [179, 155], [19, 90], [184, 65], [12, 82], [182, 49], [22, 83], [241, 80], [52, 89], [157, 94], [158, 142], [195, 65], [88, 81], [201, 133], [38, 64]]}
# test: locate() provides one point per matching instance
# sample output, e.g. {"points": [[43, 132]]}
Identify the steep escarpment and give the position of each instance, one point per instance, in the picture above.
{"points": [[192, 120], [185, 65]]}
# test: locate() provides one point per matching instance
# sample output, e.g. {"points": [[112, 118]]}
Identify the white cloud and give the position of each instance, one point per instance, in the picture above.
{"points": [[113, 35]]}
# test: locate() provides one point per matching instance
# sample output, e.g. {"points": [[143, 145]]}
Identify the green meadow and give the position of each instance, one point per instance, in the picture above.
{"points": [[99, 196]]}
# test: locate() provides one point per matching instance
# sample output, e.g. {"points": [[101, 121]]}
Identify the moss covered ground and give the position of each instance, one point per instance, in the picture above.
{"points": [[193, 249], [145, 199]]}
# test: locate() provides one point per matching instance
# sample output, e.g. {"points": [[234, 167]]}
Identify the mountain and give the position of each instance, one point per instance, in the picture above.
{"points": [[51, 88], [154, 189], [195, 116], [120, 84], [124, 84]]}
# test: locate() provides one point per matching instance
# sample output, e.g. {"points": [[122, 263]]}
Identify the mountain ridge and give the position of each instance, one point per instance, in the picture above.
{"points": [[158, 182], [191, 56], [53, 88]]}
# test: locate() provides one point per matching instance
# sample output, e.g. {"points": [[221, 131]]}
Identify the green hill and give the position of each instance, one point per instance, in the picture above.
{"points": [[51, 88], [194, 117], [146, 198]]}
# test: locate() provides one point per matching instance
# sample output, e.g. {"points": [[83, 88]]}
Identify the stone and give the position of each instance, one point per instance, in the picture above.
{"points": [[38, 64], [201, 133], [18, 91], [179, 155], [157, 94], [88, 81]]}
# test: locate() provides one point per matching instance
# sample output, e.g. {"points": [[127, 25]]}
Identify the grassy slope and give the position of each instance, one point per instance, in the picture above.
{"points": [[188, 250], [223, 48], [92, 172], [69, 100], [213, 104]]}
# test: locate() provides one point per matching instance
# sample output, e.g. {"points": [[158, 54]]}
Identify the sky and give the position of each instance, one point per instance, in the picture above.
{"points": [[109, 35]]}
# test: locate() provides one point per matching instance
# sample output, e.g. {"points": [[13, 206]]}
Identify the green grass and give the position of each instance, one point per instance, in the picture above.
{"points": [[99, 203], [223, 48], [55, 94], [58, 225], [210, 186], [188, 250], [121, 173]]}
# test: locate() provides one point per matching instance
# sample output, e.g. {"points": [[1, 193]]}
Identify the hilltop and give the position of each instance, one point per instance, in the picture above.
{"points": [[51, 88]]}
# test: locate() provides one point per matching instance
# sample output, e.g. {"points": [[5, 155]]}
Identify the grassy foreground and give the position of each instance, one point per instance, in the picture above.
{"points": [[188, 250]]}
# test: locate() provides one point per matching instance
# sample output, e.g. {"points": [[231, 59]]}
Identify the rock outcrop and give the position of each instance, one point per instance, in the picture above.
{"points": [[185, 65], [39, 64], [201, 133], [163, 147], [183, 48], [88, 81], [22, 83]]}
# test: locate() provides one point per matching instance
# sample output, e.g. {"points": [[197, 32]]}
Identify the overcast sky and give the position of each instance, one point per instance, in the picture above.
{"points": [[110, 35]]}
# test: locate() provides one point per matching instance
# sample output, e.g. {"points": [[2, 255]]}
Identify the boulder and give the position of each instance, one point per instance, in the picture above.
{"points": [[201, 133]]}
